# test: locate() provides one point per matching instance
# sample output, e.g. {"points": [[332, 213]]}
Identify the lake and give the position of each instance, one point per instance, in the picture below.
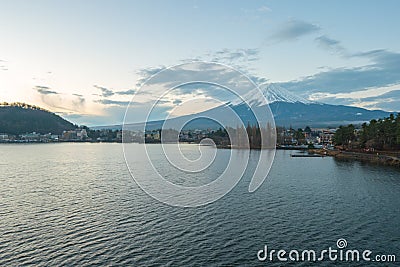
{"points": [[75, 204]]}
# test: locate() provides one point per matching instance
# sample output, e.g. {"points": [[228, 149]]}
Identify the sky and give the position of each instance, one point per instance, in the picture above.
{"points": [[85, 60]]}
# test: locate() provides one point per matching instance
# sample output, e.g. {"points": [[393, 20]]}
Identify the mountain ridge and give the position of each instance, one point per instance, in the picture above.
{"points": [[298, 115]]}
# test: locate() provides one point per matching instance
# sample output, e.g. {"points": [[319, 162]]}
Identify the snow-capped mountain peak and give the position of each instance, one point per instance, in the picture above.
{"points": [[276, 93], [273, 93]]}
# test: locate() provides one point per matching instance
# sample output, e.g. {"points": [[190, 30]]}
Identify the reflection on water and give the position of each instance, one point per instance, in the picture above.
{"points": [[75, 204]]}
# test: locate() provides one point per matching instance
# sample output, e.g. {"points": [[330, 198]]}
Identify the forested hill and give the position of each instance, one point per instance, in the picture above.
{"points": [[19, 118]]}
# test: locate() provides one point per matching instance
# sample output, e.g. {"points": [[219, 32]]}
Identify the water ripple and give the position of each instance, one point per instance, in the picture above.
{"points": [[63, 208]]}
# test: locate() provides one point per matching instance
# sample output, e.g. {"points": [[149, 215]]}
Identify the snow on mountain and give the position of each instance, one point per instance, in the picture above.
{"points": [[273, 93], [276, 93]]}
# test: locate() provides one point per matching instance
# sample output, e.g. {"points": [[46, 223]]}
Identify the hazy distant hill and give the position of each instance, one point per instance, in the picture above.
{"points": [[19, 118]]}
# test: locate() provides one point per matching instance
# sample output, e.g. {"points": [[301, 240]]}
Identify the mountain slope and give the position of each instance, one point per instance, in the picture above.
{"points": [[19, 118], [290, 109], [321, 115]]}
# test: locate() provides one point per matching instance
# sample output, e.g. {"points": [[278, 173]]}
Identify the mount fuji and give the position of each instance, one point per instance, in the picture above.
{"points": [[287, 109], [291, 110]]}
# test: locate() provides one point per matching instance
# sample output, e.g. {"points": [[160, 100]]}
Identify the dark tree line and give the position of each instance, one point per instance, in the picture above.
{"points": [[253, 136], [19, 118], [378, 134]]}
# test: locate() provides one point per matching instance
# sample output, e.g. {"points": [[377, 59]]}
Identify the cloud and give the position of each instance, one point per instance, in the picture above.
{"points": [[62, 102], [264, 9], [112, 102], [206, 75], [374, 85], [232, 56], [389, 105], [389, 101], [330, 44], [111, 118], [293, 29], [105, 92], [127, 92], [78, 101], [177, 102], [146, 73], [383, 59], [44, 90], [383, 71], [385, 96], [195, 80], [240, 58]]}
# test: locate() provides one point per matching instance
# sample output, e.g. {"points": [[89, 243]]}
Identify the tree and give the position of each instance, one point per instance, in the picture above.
{"points": [[380, 134], [344, 135], [299, 136]]}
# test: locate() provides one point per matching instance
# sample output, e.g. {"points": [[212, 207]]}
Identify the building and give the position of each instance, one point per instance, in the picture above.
{"points": [[81, 134], [153, 135], [326, 137], [4, 137], [31, 137], [74, 135]]}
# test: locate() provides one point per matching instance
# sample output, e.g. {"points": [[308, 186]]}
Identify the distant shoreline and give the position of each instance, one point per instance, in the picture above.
{"points": [[378, 157]]}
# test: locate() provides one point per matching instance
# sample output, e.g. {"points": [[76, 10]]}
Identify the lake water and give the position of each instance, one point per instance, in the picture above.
{"points": [[75, 204]]}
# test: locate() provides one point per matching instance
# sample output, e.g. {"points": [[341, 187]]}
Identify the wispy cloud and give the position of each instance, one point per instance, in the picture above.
{"points": [[395, 94], [61, 102], [148, 72], [112, 102], [105, 92], [177, 102], [330, 44], [126, 92], [235, 56], [386, 98], [264, 9], [44, 90], [78, 101], [294, 29]]}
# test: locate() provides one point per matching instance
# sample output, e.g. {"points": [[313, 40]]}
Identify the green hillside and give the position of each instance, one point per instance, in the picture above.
{"points": [[19, 118]]}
